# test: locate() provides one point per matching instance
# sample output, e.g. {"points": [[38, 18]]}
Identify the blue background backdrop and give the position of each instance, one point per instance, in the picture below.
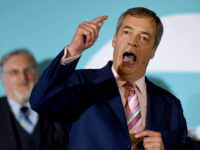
{"points": [[46, 27]]}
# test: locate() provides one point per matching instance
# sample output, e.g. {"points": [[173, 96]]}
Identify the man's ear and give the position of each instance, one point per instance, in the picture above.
{"points": [[113, 41], [153, 53]]}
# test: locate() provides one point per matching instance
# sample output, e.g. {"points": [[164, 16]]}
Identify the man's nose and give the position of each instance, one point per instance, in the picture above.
{"points": [[132, 41], [23, 75]]}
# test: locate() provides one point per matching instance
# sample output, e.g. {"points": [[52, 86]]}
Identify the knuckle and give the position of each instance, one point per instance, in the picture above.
{"points": [[87, 33], [159, 139], [79, 30], [148, 132], [96, 27], [145, 145], [80, 27], [159, 144], [93, 30], [145, 140], [159, 134]]}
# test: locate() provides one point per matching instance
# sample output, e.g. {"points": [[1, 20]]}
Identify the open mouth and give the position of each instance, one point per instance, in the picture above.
{"points": [[129, 57]]}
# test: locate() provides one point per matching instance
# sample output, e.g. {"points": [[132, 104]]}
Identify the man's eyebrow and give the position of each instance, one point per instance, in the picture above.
{"points": [[141, 32], [127, 27], [146, 34]]}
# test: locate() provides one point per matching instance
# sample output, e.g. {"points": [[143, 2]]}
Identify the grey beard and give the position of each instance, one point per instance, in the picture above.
{"points": [[23, 97]]}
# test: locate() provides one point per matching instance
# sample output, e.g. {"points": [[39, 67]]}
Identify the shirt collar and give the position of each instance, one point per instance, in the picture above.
{"points": [[140, 83], [15, 107]]}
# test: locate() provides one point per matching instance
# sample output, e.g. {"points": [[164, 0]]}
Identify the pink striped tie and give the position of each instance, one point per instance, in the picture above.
{"points": [[133, 115]]}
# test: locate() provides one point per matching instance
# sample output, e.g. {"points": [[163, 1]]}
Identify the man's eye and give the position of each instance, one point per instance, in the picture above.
{"points": [[126, 32], [13, 72], [144, 38], [29, 70]]}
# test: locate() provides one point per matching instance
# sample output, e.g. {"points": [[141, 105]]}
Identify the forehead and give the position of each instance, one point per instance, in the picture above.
{"points": [[141, 23], [17, 62]]}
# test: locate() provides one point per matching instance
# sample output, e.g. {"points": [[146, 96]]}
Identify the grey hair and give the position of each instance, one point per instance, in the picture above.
{"points": [[140, 12], [25, 52]]}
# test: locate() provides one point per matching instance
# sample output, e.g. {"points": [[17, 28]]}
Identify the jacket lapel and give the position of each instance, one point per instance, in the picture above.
{"points": [[107, 86], [155, 107]]}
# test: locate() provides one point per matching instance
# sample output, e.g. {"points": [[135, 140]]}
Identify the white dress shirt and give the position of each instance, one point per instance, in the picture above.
{"points": [[15, 108]]}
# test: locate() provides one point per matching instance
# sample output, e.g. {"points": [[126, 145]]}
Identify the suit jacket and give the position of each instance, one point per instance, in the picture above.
{"points": [[89, 103], [47, 135]]}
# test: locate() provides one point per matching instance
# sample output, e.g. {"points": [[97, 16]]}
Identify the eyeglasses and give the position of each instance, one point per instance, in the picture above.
{"points": [[15, 72]]}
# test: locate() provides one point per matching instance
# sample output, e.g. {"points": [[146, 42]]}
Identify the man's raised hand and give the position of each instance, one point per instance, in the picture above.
{"points": [[85, 36]]}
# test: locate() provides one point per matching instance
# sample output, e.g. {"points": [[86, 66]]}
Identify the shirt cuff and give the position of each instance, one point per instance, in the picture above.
{"points": [[66, 61]]}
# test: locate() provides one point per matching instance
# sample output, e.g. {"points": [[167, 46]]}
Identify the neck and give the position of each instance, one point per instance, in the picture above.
{"points": [[21, 102], [132, 77]]}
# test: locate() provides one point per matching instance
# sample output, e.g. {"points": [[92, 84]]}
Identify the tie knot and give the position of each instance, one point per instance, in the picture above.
{"points": [[24, 110], [130, 84]]}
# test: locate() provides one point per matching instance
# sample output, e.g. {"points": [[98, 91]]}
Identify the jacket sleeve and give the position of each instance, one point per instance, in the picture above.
{"points": [[183, 142], [56, 95]]}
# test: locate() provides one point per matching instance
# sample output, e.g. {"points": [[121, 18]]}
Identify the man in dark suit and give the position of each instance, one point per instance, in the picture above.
{"points": [[96, 101], [20, 127]]}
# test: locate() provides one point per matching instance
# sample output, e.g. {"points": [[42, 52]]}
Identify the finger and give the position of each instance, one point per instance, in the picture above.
{"points": [[147, 133], [84, 32], [93, 28], [100, 24], [152, 139], [152, 145], [99, 19], [152, 148]]}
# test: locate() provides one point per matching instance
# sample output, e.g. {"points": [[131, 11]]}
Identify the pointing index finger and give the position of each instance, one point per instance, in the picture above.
{"points": [[99, 19]]}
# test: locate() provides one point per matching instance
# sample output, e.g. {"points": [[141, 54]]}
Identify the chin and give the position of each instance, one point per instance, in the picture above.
{"points": [[126, 70], [23, 96], [131, 74], [130, 78]]}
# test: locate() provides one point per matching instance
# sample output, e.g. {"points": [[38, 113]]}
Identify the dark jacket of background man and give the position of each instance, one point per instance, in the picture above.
{"points": [[19, 73]]}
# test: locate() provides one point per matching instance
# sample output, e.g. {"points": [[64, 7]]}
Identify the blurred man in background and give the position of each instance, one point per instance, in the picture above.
{"points": [[20, 127]]}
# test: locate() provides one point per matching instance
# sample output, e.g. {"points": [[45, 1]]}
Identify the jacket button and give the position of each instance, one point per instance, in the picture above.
{"points": [[127, 148]]}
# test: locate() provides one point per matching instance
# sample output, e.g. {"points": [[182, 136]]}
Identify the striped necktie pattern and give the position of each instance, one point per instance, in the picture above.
{"points": [[24, 120], [133, 115]]}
